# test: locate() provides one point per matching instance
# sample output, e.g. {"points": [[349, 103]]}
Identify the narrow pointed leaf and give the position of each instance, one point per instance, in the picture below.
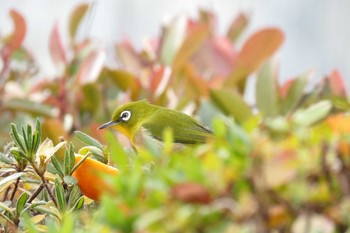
{"points": [[78, 204], [22, 200], [60, 197], [19, 32], [312, 114], [267, 95], [17, 138], [57, 166], [88, 140], [237, 27], [76, 18]]}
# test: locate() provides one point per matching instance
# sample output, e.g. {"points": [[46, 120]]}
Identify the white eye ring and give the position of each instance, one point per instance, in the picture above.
{"points": [[125, 115]]}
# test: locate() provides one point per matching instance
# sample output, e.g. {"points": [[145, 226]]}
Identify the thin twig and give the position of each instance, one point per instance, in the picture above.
{"points": [[15, 189], [6, 194], [36, 193], [48, 190]]}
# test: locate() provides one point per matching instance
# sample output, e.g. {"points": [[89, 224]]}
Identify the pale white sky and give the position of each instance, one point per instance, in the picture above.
{"points": [[317, 31]]}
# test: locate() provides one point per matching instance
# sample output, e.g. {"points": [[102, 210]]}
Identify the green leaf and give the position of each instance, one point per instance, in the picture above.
{"points": [[88, 140], [60, 196], [267, 95], [22, 200], [25, 139], [37, 136], [312, 114], [47, 211], [17, 139], [57, 166], [91, 98], [80, 162], [76, 18], [78, 204], [28, 106], [30, 138], [231, 103], [69, 160], [294, 93]]}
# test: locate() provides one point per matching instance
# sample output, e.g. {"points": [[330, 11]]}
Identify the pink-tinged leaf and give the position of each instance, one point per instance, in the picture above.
{"points": [[337, 84], [285, 87], [128, 56], [159, 80], [294, 93], [76, 18], [215, 57], [91, 67], [56, 48], [191, 44], [254, 52], [237, 27], [19, 32]]}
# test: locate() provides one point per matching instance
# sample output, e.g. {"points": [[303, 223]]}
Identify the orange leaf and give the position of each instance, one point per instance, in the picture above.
{"points": [[192, 42], [254, 52], [19, 32], [90, 177], [56, 48]]}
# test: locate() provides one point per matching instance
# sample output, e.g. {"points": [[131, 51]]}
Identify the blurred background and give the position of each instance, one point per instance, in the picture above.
{"points": [[317, 34]]}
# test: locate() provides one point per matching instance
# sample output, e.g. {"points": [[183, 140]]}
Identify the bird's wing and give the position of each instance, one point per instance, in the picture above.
{"points": [[185, 129]]}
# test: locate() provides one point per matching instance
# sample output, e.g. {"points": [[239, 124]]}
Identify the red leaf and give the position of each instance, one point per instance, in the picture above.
{"points": [[19, 32], [337, 84], [128, 56], [191, 193], [254, 52], [159, 79], [56, 48]]}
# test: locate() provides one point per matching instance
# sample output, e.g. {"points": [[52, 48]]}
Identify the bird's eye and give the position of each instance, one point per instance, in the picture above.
{"points": [[125, 116]]}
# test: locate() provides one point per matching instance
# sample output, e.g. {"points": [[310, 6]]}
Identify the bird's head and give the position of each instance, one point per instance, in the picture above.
{"points": [[128, 118]]}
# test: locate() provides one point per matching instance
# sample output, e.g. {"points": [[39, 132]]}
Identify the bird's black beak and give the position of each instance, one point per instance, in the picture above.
{"points": [[108, 124]]}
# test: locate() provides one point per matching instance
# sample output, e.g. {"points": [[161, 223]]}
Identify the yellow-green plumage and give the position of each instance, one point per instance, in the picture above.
{"points": [[154, 120]]}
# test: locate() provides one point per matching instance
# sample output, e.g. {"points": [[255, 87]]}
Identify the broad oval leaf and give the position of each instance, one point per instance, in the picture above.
{"points": [[254, 52], [312, 114], [231, 103]]}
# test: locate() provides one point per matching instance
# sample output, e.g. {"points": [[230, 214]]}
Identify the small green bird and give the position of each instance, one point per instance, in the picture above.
{"points": [[139, 119]]}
